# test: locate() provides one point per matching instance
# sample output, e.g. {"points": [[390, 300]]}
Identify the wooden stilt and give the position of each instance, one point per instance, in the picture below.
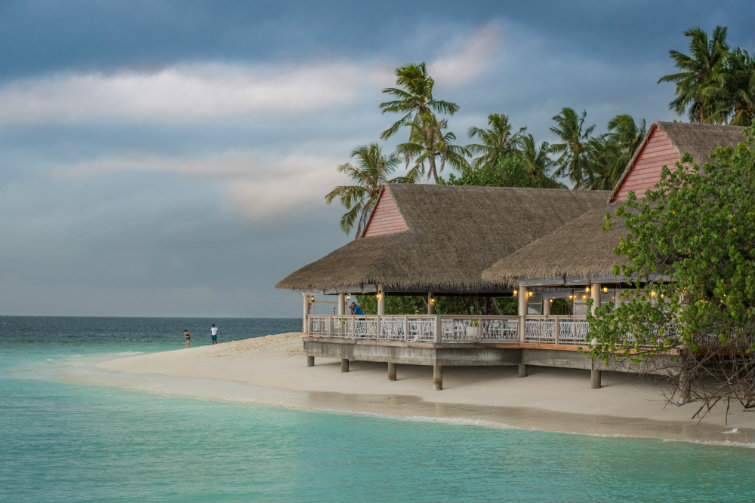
{"points": [[594, 379], [522, 370], [310, 361], [392, 371], [437, 377], [344, 365]]}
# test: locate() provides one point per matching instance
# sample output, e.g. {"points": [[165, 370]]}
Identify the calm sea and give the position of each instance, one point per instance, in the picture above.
{"points": [[71, 443]]}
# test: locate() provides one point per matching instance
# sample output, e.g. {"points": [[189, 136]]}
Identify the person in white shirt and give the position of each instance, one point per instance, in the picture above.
{"points": [[214, 333]]}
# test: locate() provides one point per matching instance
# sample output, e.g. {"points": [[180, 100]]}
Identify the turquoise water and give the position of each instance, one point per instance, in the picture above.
{"points": [[62, 442]]}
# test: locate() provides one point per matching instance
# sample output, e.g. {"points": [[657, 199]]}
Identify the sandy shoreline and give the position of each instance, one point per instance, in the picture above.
{"points": [[272, 370]]}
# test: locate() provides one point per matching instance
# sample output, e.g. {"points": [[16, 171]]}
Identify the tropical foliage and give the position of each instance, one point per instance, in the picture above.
{"points": [[430, 147], [714, 84], [413, 98], [690, 246], [497, 142]]}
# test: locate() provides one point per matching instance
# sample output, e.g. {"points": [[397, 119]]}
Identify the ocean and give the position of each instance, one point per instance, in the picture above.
{"points": [[61, 442]]}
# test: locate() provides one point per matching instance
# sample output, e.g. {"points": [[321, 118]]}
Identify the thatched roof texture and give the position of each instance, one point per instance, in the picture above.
{"points": [[455, 232], [578, 248]]}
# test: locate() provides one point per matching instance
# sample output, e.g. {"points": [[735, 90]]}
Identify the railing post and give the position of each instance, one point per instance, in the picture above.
{"points": [[557, 330], [406, 328], [438, 329], [378, 328], [330, 326]]}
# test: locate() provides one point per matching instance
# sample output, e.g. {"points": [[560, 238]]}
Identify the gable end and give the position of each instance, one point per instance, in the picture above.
{"points": [[385, 218]]}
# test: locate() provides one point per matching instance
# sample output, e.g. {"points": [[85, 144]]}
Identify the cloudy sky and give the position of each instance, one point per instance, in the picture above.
{"points": [[170, 158]]}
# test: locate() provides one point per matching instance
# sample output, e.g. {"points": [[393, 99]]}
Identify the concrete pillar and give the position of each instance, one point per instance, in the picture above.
{"points": [[594, 379], [381, 301], [595, 295], [430, 303], [341, 303], [344, 364], [391, 371], [310, 361], [437, 376], [522, 370], [547, 304], [522, 310], [304, 312]]}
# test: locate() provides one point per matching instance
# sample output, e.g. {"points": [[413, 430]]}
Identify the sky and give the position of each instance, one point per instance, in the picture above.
{"points": [[170, 158]]}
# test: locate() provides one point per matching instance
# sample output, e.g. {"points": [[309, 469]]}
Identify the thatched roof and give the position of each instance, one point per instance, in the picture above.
{"points": [[579, 248], [455, 232], [698, 140]]}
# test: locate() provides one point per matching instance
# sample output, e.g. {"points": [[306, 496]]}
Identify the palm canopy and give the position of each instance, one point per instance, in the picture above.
{"points": [[497, 141], [573, 160], [372, 171], [413, 97], [428, 145], [700, 75], [739, 83], [537, 162]]}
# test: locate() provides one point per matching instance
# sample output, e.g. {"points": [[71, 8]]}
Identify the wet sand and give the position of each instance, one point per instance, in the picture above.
{"points": [[272, 370]]}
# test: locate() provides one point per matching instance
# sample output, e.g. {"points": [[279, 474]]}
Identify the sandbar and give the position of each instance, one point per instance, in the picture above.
{"points": [[272, 370]]}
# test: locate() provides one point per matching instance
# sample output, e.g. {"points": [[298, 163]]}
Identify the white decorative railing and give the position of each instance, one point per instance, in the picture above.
{"points": [[450, 328]]}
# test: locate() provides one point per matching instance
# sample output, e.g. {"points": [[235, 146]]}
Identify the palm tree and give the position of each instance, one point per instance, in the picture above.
{"points": [[574, 160], [606, 163], [698, 79], [740, 86], [414, 98], [496, 142], [369, 176], [428, 144], [537, 162]]}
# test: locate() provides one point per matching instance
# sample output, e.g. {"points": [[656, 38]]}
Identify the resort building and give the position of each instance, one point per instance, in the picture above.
{"points": [[534, 244]]}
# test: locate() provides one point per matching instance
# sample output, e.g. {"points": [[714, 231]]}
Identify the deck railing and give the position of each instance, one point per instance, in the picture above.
{"points": [[450, 328]]}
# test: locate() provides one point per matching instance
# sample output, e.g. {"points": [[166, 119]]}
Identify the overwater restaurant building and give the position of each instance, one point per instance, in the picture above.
{"points": [[536, 244]]}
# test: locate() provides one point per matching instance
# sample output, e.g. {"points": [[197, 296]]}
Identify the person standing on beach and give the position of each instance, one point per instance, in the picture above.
{"points": [[187, 335], [214, 333]]}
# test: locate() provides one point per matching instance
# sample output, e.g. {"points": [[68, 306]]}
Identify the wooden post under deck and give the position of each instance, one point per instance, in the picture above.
{"points": [[437, 376], [522, 368], [594, 379], [391, 371], [344, 364]]}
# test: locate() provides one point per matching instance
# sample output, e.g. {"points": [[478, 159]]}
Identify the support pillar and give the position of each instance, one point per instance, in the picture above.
{"points": [[392, 371], [522, 311], [437, 376], [594, 379], [304, 312], [380, 301], [547, 305], [595, 295], [430, 303], [344, 364], [522, 370], [341, 303], [310, 361]]}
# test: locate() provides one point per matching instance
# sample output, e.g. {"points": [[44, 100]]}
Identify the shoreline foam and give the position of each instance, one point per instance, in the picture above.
{"points": [[272, 371]]}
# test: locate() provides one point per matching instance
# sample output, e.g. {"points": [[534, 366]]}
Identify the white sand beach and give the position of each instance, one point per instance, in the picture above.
{"points": [[272, 370]]}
